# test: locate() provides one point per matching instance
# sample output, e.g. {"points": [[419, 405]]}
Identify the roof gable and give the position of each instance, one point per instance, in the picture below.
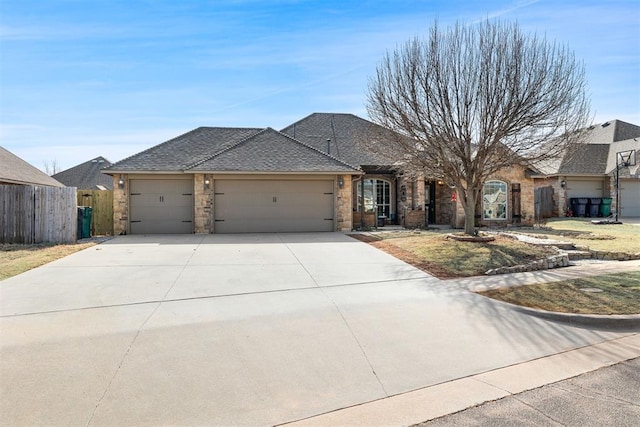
{"points": [[271, 151], [178, 153], [87, 175], [14, 170]]}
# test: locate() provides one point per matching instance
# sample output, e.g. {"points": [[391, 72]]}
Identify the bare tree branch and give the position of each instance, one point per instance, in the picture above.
{"points": [[476, 99]]}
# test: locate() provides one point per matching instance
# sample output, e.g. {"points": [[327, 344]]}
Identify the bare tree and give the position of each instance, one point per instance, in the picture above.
{"points": [[51, 167], [477, 99]]}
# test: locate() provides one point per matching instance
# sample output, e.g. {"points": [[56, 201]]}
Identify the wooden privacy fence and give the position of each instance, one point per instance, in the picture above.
{"points": [[543, 200], [101, 202], [37, 214]]}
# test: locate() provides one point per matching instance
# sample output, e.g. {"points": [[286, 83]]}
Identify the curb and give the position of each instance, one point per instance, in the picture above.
{"points": [[621, 321]]}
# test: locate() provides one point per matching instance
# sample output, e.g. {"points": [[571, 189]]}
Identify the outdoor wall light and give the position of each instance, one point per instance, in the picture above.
{"points": [[340, 181], [440, 182], [563, 183], [207, 184], [121, 183]]}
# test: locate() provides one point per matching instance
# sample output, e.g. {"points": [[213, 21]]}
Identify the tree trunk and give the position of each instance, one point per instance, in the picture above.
{"points": [[470, 213]]}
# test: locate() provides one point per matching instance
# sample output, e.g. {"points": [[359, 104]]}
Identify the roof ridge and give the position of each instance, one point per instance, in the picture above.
{"points": [[262, 132], [225, 149], [315, 149]]}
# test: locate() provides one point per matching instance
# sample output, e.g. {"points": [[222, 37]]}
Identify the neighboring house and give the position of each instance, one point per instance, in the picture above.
{"points": [[15, 171], [314, 175], [87, 175], [590, 170]]}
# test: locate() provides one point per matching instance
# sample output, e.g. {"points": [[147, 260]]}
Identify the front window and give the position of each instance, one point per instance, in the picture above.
{"points": [[494, 200], [374, 195]]}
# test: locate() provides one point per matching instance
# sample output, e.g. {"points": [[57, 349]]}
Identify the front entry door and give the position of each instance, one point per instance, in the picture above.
{"points": [[430, 201]]}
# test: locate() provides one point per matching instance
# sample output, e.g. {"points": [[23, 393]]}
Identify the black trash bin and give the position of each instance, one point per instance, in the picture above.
{"points": [[594, 206], [579, 206], [381, 220]]}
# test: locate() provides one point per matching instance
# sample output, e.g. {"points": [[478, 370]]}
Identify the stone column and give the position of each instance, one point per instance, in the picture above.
{"points": [[120, 204], [344, 219]]}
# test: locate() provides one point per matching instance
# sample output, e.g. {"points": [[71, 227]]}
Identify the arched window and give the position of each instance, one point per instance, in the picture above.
{"points": [[494, 200], [374, 195]]}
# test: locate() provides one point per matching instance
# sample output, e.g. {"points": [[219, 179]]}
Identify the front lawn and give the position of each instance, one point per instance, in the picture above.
{"points": [[610, 294], [610, 237], [445, 258], [16, 259]]}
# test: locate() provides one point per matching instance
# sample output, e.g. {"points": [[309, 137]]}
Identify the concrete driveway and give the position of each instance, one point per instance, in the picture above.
{"points": [[244, 330]]}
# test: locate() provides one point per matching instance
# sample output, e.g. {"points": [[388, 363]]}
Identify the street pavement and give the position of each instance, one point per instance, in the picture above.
{"points": [[609, 396], [268, 329]]}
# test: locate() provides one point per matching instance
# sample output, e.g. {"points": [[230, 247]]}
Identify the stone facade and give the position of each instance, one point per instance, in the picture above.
{"points": [[203, 203], [120, 205], [343, 203], [512, 175]]}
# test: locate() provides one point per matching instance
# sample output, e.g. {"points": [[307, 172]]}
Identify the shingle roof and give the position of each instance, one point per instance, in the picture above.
{"points": [[87, 175], [347, 134], [176, 154], [271, 151], [14, 170], [586, 159], [596, 156], [612, 131]]}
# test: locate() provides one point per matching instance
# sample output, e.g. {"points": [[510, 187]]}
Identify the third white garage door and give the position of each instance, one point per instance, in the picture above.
{"points": [[629, 198], [259, 206]]}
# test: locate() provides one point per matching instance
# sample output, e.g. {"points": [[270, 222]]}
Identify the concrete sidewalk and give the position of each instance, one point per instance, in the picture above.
{"points": [[438, 401]]}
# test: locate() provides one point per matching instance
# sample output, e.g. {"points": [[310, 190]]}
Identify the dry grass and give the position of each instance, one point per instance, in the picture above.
{"points": [[445, 258], [16, 259], [612, 237], [620, 295]]}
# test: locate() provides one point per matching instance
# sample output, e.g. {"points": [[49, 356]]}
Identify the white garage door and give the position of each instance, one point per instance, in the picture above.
{"points": [[161, 206], [629, 198], [255, 206], [585, 188]]}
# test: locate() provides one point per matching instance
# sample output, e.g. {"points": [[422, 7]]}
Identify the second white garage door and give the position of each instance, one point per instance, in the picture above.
{"points": [[265, 206]]}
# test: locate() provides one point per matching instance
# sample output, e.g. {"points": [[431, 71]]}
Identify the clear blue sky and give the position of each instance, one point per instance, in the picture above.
{"points": [[83, 78]]}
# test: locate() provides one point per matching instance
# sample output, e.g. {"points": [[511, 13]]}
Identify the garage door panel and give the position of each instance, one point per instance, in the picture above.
{"points": [[585, 188], [273, 206], [629, 199], [161, 206]]}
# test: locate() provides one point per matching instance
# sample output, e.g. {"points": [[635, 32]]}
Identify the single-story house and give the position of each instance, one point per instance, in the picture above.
{"points": [[15, 171], [87, 175], [317, 174], [590, 170]]}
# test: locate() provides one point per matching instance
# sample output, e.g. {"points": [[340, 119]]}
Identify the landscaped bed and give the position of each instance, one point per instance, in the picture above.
{"points": [[448, 258], [610, 294]]}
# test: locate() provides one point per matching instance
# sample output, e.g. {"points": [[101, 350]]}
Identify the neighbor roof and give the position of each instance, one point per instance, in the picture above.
{"points": [[178, 153], [345, 136], [611, 131], [14, 170], [586, 159], [87, 175], [271, 151]]}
